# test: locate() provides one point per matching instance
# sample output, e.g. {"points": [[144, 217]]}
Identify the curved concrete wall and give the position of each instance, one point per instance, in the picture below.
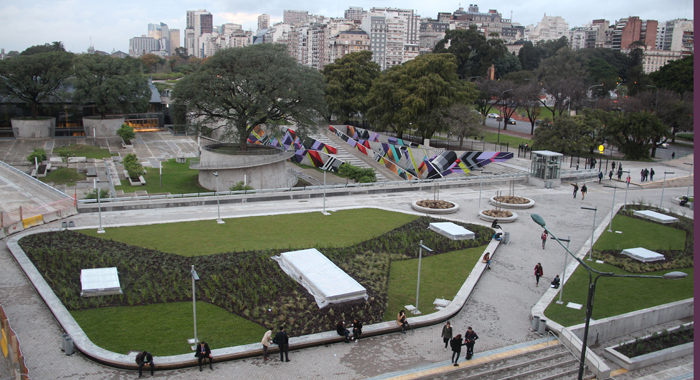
{"points": [[266, 176], [97, 127], [33, 129]]}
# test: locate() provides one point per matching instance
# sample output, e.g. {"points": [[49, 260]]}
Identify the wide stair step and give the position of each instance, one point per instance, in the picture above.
{"points": [[344, 156]]}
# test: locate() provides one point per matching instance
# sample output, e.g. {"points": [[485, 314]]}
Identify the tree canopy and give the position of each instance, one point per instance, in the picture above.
{"points": [[676, 76], [566, 134], [348, 82], [239, 88], [112, 84], [414, 92], [35, 78], [45, 48], [474, 53], [635, 133], [562, 76]]}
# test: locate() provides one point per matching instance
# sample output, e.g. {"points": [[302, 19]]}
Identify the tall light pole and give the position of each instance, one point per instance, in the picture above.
{"points": [[500, 98], [624, 206], [480, 180], [612, 210], [656, 102], [589, 89], [563, 275], [218, 207], [100, 230], [595, 212], [421, 247], [324, 193], [661, 205], [687, 194], [591, 289], [195, 277]]}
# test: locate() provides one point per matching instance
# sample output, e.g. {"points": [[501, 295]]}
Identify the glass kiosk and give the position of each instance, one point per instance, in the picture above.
{"points": [[545, 170]]}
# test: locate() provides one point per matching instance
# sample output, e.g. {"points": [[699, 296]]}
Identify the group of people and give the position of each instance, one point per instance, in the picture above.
{"points": [[281, 339], [539, 272], [647, 174], [584, 190], [611, 173], [203, 353], [356, 330], [457, 342]]}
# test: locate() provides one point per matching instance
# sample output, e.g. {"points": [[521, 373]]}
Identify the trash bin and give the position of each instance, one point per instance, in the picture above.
{"points": [[542, 328], [506, 237], [68, 348], [63, 341], [535, 322]]}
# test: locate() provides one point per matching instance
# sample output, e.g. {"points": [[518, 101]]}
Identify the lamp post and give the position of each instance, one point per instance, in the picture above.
{"points": [[218, 207], [421, 247], [500, 98], [195, 277], [687, 194], [591, 288], [324, 194], [595, 212], [563, 275], [100, 230], [656, 101], [612, 210], [624, 205], [481, 180], [661, 205]]}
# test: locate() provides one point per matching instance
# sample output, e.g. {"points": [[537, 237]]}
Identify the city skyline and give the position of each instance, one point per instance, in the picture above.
{"points": [[109, 26]]}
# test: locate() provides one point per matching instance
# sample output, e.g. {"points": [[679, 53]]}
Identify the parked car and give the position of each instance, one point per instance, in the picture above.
{"points": [[511, 121], [493, 116], [663, 145]]}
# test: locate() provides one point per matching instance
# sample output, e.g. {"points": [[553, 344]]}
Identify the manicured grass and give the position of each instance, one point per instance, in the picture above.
{"points": [[341, 229], [441, 277], [63, 176], [639, 233], [492, 137], [163, 329], [177, 179], [615, 296], [89, 151]]}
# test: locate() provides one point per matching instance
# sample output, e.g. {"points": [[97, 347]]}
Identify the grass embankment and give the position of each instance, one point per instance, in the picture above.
{"points": [[63, 176], [615, 296], [177, 179], [88, 151], [492, 137]]}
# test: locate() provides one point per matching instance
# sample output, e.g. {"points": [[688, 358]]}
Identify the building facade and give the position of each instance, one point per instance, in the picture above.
{"points": [[550, 28]]}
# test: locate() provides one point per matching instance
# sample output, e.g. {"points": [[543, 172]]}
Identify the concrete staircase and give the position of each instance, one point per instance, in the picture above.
{"points": [[345, 156], [547, 363], [512, 166]]}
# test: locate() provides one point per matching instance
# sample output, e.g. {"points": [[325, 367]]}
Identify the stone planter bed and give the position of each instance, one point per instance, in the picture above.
{"points": [[435, 207], [651, 358], [505, 219], [528, 202], [140, 182], [130, 145]]}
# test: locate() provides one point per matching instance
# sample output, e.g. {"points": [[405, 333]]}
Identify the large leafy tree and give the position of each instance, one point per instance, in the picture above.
{"points": [[562, 76], [35, 78], [412, 93], [239, 88], [676, 76], [566, 135], [461, 121], [111, 84], [475, 54], [348, 82], [636, 133], [45, 48], [596, 120], [527, 96]]}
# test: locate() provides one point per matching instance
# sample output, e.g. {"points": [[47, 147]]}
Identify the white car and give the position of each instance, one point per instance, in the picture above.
{"points": [[493, 116]]}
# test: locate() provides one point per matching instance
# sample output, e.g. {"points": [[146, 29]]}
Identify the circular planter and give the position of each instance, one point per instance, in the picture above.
{"points": [[500, 220], [428, 210], [516, 206]]}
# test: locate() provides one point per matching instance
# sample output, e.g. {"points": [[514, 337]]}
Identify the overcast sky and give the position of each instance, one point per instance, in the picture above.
{"points": [[111, 23]]}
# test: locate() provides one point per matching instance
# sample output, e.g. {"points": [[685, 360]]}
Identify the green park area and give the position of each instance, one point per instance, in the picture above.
{"points": [[82, 150], [63, 176], [177, 179], [242, 291], [614, 295]]}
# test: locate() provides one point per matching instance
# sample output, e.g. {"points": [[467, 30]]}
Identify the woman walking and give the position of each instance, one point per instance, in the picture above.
{"points": [[538, 274], [456, 344], [584, 190], [544, 238], [446, 334]]}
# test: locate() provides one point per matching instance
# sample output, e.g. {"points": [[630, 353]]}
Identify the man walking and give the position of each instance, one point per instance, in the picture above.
{"points": [[651, 174], [600, 177], [575, 185], [469, 339], [282, 340]]}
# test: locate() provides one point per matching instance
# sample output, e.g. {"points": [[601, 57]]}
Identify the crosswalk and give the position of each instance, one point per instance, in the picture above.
{"points": [[345, 156]]}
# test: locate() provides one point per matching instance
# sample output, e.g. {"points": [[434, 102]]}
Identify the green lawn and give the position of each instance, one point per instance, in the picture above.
{"points": [[639, 233], [89, 151], [63, 176], [177, 179], [342, 228], [492, 137], [122, 329], [441, 277], [615, 296]]}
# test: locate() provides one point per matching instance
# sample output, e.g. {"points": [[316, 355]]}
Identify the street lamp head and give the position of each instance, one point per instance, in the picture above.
{"points": [[216, 174], [194, 275], [674, 275], [538, 219]]}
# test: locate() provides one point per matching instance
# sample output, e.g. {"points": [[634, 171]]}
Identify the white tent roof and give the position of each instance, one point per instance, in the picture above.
{"points": [[643, 254], [451, 231], [99, 282]]}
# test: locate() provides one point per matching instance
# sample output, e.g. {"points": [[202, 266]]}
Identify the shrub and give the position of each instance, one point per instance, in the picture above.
{"points": [[64, 154], [357, 174], [240, 186], [132, 166], [126, 133], [39, 153], [104, 193], [685, 136]]}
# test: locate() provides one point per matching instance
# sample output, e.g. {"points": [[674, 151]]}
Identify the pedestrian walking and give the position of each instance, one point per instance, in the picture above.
{"points": [[145, 359], [613, 165], [544, 238], [619, 173], [610, 175], [356, 329], [575, 185], [673, 155], [538, 273], [646, 174], [282, 341], [651, 174], [642, 175], [584, 190], [628, 180], [600, 177], [203, 354], [446, 334], [470, 338], [266, 342], [456, 344]]}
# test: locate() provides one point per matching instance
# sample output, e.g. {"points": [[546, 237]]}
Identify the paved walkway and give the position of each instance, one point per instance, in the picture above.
{"points": [[498, 309]]}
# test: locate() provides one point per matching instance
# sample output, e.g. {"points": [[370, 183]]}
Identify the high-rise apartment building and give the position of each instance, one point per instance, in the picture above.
{"points": [[174, 40], [293, 17], [633, 29], [354, 13], [139, 46], [550, 28], [676, 35], [263, 22], [154, 31], [199, 23]]}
